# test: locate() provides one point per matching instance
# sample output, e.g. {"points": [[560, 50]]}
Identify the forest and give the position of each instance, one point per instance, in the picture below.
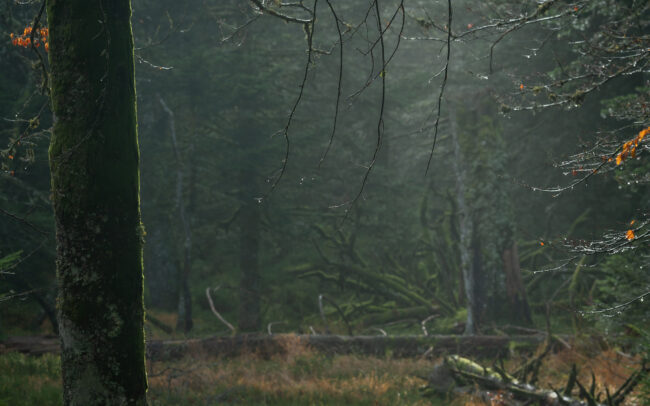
{"points": [[321, 202]]}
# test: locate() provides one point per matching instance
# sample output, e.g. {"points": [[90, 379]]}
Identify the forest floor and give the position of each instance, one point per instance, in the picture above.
{"points": [[303, 377]]}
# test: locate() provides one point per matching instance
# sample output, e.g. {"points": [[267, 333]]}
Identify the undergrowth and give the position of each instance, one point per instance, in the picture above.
{"points": [[300, 377], [26, 380]]}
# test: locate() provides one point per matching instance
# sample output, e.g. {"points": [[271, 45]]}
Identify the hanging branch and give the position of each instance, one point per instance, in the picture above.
{"points": [[372, 76], [380, 120], [639, 298], [308, 26], [443, 84], [338, 86]]}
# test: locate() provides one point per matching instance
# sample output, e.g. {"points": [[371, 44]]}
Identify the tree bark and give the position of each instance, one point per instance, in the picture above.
{"points": [[464, 226], [94, 162]]}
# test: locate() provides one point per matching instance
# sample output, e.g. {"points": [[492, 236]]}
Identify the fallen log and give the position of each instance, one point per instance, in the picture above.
{"points": [[266, 345], [459, 375], [381, 346], [33, 345]]}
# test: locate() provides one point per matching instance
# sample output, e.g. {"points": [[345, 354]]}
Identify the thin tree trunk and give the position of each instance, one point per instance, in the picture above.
{"points": [[94, 162], [185, 320], [464, 226], [249, 246]]}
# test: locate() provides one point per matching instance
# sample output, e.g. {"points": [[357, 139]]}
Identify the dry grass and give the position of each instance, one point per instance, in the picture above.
{"points": [[302, 377], [298, 373], [609, 367]]}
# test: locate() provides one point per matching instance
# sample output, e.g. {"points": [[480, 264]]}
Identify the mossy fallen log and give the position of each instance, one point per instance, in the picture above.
{"points": [[459, 374]]}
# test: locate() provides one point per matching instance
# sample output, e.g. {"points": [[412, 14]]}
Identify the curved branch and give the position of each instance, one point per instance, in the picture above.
{"points": [[215, 312], [443, 84]]}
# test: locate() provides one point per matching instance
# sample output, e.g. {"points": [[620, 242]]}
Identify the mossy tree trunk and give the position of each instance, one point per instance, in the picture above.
{"points": [[95, 192]]}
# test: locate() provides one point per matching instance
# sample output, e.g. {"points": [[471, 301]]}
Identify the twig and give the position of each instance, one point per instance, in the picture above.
{"points": [[45, 87], [380, 120], [620, 306]]}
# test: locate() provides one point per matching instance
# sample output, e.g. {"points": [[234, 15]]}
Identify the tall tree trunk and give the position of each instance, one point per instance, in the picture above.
{"points": [[249, 288], [185, 320], [249, 230], [94, 162], [464, 227]]}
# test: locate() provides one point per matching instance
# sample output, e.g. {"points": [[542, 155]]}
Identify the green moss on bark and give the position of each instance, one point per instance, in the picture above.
{"points": [[95, 193]]}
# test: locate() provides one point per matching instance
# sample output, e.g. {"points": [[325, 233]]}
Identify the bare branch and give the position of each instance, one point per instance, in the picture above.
{"points": [[443, 84], [215, 312], [338, 86], [424, 322], [287, 17], [309, 30]]}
